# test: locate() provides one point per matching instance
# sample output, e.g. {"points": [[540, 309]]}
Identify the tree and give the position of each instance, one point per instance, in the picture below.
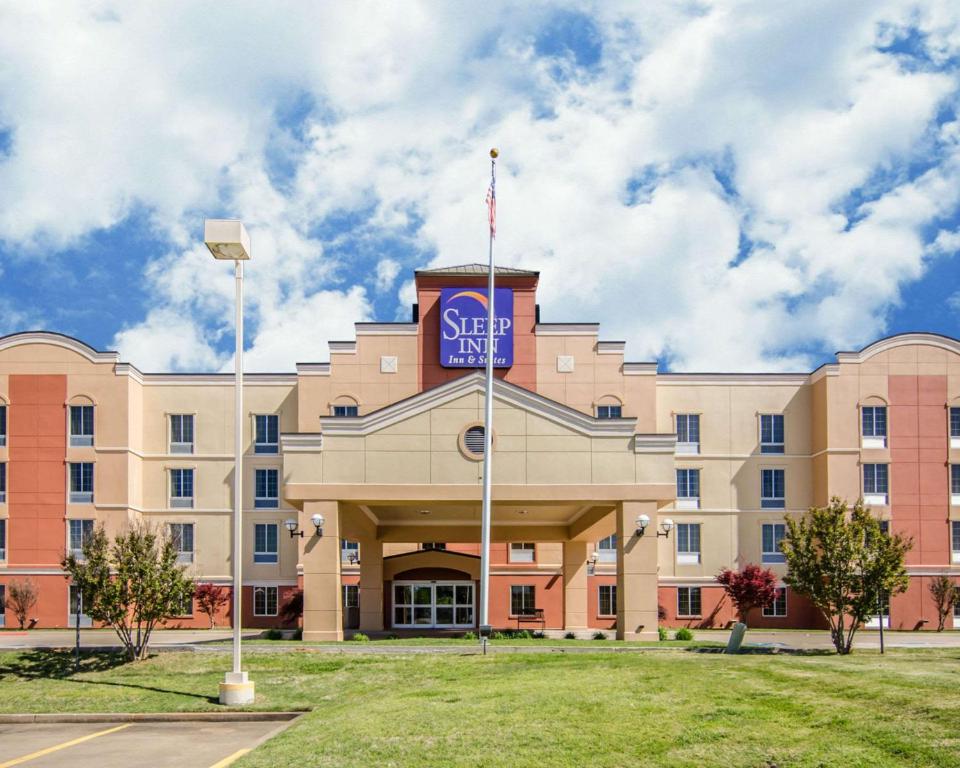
{"points": [[843, 562], [130, 584], [293, 609], [211, 598], [23, 598], [753, 587], [945, 594]]}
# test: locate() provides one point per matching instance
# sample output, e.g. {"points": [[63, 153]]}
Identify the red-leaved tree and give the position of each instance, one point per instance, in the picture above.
{"points": [[753, 587], [211, 598]]}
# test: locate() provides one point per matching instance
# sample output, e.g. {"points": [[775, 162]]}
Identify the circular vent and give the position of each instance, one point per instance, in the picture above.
{"points": [[473, 440]]}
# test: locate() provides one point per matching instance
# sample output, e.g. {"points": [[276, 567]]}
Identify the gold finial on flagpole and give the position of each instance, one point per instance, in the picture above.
{"points": [[494, 153]]}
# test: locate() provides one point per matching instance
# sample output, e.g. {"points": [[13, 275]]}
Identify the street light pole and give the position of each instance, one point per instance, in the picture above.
{"points": [[228, 240]]}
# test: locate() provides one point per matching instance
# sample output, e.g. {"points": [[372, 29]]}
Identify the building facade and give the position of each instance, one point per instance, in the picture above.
{"points": [[384, 442]]}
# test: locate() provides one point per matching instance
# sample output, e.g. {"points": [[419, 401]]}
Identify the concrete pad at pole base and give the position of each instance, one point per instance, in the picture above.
{"points": [[236, 689]]}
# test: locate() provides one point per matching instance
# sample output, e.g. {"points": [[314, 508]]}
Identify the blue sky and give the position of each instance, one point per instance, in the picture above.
{"points": [[725, 185]]}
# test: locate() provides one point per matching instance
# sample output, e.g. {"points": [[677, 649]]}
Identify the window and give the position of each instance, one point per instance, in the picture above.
{"points": [[875, 486], [81, 482], [3, 482], [772, 489], [181, 534], [688, 433], [181, 433], [349, 551], [346, 410], [522, 552], [688, 601], [885, 527], [607, 549], [3, 425], [3, 542], [3, 601], [607, 600], [522, 600], [778, 608], [874, 418], [81, 425], [688, 488], [688, 543], [80, 533], [351, 596], [773, 534], [955, 539], [954, 484], [954, 427], [266, 494], [185, 608], [265, 543], [771, 433], [267, 438], [609, 411], [181, 488], [264, 601], [433, 545]]}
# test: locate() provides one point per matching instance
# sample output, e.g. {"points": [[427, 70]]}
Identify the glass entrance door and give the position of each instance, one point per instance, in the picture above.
{"points": [[433, 605]]}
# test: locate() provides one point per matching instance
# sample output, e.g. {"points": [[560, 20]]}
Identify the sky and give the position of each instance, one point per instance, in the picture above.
{"points": [[735, 186]]}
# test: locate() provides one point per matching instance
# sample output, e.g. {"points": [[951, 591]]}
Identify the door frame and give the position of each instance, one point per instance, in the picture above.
{"points": [[433, 584]]}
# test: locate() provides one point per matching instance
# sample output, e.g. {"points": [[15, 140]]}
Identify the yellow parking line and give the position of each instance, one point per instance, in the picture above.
{"points": [[226, 761], [64, 745]]}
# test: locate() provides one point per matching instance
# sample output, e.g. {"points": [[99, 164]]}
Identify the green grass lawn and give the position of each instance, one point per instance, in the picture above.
{"points": [[671, 708]]}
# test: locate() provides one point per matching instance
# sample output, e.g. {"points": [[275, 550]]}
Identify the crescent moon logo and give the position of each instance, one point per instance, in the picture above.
{"points": [[473, 295]]}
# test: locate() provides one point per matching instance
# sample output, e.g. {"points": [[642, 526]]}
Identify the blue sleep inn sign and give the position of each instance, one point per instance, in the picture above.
{"points": [[463, 327]]}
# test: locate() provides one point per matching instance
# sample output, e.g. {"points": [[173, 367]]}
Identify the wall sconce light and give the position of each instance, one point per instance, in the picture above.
{"points": [[644, 520], [317, 520], [592, 563]]}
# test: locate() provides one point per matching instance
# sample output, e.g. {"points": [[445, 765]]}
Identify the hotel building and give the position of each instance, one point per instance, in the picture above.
{"points": [[384, 441]]}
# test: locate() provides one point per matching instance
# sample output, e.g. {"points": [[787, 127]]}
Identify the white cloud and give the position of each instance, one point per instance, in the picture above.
{"points": [[171, 108]]}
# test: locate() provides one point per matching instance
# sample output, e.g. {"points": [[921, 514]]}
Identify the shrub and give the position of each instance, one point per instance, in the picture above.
{"points": [[497, 636], [298, 634], [662, 632], [210, 599], [393, 636], [523, 634], [23, 597], [753, 587], [272, 634], [538, 635], [944, 593], [359, 637], [469, 635], [598, 635], [570, 636], [683, 634]]}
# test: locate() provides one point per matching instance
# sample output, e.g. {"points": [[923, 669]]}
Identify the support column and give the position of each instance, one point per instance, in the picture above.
{"points": [[322, 602], [575, 585], [637, 572], [371, 585]]}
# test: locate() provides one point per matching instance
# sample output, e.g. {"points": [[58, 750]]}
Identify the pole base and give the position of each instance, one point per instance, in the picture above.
{"points": [[236, 689]]}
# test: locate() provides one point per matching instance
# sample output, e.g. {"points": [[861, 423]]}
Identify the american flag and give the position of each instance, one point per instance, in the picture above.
{"points": [[492, 205]]}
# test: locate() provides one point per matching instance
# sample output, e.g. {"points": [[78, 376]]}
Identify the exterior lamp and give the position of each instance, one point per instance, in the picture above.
{"points": [[227, 240], [592, 563], [642, 522], [291, 526], [318, 522], [667, 526]]}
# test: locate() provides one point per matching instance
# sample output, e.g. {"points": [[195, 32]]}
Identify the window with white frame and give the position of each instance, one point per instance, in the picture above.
{"points": [[523, 600], [349, 551], [181, 488], [607, 600], [3, 601], [3, 541], [688, 543], [688, 488], [772, 534], [266, 489], [874, 426], [688, 601], [522, 552], [265, 543], [181, 536], [609, 411], [185, 608], [954, 431], [3, 482], [81, 482], [80, 532], [181, 433], [346, 410], [3, 425], [954, 484], [265, 601], [875, 485], [607, 549], [81, 425], [778, 608], [955, 541], [772, 489], [267, 437], [771, 433], [351, 595], [688, 433]]}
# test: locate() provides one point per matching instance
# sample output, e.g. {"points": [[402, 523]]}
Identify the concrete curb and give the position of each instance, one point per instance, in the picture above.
{"points": [[149, 717]]}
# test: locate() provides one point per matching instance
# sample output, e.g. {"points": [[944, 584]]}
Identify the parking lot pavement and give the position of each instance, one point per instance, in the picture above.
{"points": [[119, 745]]}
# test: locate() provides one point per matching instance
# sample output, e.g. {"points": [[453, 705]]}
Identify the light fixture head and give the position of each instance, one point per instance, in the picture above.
{"points": [[226, 239], [593, 558], [317, 520], [290, 525], [643, 521], [667, 525]]}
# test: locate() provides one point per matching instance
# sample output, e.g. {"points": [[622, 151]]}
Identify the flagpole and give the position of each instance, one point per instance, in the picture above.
{"points": [[488, 418]]}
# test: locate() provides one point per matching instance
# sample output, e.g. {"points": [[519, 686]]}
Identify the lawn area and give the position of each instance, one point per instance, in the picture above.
{"points": [[673, 707]]}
